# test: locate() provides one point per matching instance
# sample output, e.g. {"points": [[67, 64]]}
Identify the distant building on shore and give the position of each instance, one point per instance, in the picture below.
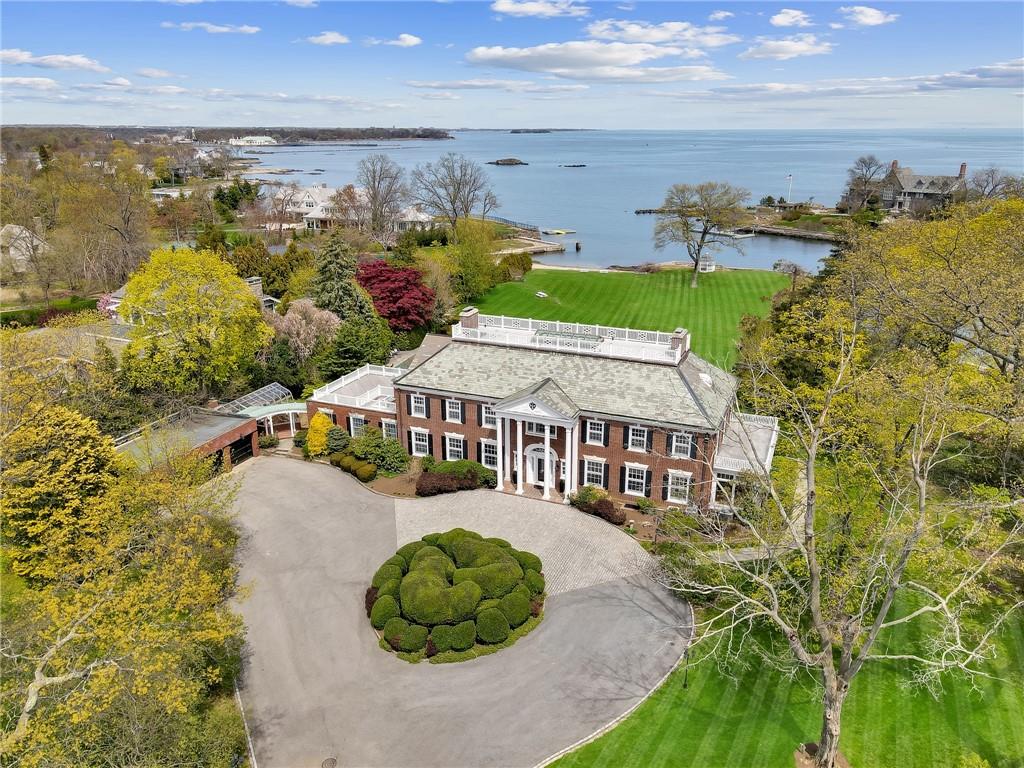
{"points": [[903, 190], [252, 141]]}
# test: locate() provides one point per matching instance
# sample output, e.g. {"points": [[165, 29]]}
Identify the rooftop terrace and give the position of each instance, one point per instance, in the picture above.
{"points": [[367, 387]]}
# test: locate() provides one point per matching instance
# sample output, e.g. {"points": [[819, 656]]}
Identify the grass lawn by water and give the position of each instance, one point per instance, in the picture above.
{"points": [[661, 301], [759, 722]]}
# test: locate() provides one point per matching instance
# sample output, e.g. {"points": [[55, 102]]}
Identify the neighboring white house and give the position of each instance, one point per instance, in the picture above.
{"points": [[316, 206], [18, 245], [252, 141]]}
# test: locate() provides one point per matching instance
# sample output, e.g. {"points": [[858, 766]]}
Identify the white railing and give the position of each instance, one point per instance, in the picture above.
{"points": [[358, 373], [379, 398], [761, 421], [600, 341]]}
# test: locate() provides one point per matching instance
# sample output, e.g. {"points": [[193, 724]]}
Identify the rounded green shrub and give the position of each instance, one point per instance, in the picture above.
{"points": [[389, 587], [428, 598], [515, 608], [491, 602], [432, 539], [384, 609], [495, 580], [464, 636], [395, 628], [492, 626], [447, 539], [385, 573], [522, 589], [527, 560], [346, 461], [336, 458], [399, 561], [432, 558], [442, 636], [499, 542], [366, 473], [414, 638], [534, 581], [406, 551]]}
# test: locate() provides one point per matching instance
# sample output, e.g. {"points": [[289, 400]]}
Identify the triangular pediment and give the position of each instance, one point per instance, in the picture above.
{"points": [[543, 400]]}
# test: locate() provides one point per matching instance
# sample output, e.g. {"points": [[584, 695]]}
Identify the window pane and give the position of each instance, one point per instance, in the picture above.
{"points": [[638, 438], [594, 473], [490, 455]]}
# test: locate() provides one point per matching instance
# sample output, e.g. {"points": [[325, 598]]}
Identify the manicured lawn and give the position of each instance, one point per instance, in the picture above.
{"points": [[661, 301], [716, 723]]}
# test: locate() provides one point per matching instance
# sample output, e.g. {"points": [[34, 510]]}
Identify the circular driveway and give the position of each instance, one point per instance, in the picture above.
{"points": [[316, 684]]}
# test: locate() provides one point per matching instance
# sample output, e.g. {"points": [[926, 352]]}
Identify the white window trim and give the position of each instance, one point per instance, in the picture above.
{"points": [[629, 443], [493, 423], [448, 436], [426, 435], [486, 441], [447, 412], [600, 440], [689, 445], [351, 423], [587, 460], [688, 476], [535, 433], [643, 468], [393, 423], [422, 413]]}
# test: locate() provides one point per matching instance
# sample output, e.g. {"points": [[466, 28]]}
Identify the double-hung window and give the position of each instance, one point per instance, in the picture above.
{"points": [[420, 442], [593, 473], [678, 487], [453, 411], [533, 428], [455, 443], [637, 439], [595, 432], [357, 424], [489, 453], [390, 428], [419, 406], [636, 480], [681, 444], [488, 417]]}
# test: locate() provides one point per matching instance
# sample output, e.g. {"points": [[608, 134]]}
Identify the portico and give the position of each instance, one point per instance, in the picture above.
{"points": [[543, 419]]}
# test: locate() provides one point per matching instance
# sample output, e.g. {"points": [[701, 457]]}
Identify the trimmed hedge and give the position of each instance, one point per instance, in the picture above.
{"points": [[429, 484], [450, 476], [366, 472], [492, 626], [606, 509], [452, 590]]}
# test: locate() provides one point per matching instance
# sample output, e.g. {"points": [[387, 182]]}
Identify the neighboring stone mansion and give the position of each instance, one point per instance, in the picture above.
{"points": [[553, 406]]}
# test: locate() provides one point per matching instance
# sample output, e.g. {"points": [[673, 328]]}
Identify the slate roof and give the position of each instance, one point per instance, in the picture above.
{"points": [[694, 393], [549, 393], [931, 184]]}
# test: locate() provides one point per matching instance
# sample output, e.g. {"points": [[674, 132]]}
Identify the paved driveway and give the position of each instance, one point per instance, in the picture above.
{"points": [[318, 686]]}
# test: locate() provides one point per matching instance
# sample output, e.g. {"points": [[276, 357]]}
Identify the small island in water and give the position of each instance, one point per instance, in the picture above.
{"points": [[507, 161]]}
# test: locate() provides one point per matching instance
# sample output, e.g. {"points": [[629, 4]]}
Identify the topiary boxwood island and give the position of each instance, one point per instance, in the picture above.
{"points": [[455, 595]]}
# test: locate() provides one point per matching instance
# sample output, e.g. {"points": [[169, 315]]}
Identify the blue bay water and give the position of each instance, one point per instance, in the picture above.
{"points": [[626, 170]]}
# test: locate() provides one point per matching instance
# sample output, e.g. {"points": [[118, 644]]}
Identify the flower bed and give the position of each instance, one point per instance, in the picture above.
{"points": [[455, 595]]}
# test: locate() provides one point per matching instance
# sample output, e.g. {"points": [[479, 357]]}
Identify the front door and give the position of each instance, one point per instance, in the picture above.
{"points": [[537, 468]]}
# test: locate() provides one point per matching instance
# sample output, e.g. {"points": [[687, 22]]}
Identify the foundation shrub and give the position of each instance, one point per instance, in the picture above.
{"points": [[366, 473], [492, 626], [384, 609], [269, 441], [429, 484], [299, 438], [586, 497], [608, 510], [336, 459], [470, 474], [337, 439]]}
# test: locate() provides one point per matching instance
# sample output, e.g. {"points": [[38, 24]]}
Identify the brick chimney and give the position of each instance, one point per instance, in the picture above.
{"points": [[469, 317], [681, 341], [895, 165], [963, 170]]}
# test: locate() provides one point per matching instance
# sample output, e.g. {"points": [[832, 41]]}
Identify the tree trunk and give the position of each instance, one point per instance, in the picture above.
{"points": [[693, 280], [832, 711]]}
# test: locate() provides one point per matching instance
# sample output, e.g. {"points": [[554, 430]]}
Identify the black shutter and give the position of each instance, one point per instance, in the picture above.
{"points": [[479, 414], [444, 449], [664, 487], [622, 479], [650, 439], [693, 446], [647, 483], [668, 444], [408, 404], [625, 437], [380, 425], [430, 444], [462, 411], [409, 432], [604, 483], [581, 479], [465, 449], [607, 432], [479, 452], [426, 406]]}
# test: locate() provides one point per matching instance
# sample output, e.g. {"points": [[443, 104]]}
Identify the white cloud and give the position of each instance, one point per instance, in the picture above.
{"points": [[441, 96], [51, 61], [784, 48], [720, 15], [404, 40], [788, 17], [213, 29], [509, 86], [302, 3], [33, 83], [836, 25], [865, 16], [359, 105], [670, 32], [543, 9], [1004, 75], [118, 82], [328, 38], [593, 60], [153, 72]]}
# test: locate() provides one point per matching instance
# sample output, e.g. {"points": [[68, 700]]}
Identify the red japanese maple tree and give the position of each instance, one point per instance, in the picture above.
{"points": [[398, 294]]}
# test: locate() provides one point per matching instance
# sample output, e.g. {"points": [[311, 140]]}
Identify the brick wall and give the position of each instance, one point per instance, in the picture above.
{"points": [[342, 412], [470, 425]]}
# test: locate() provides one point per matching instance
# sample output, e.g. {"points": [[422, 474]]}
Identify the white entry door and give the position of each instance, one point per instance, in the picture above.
{"points": [[536, 468]]}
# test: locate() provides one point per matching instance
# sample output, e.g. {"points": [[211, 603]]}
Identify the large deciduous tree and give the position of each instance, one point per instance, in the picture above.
{"points": [[382, 182], [453, 188], [304, 327], [862, 179], [699, 217], [196, 324], [335, 288], [398, 294], [357, 342]]}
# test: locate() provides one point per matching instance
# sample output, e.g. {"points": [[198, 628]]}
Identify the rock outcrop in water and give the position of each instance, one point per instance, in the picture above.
{"points": [[507, 161]]}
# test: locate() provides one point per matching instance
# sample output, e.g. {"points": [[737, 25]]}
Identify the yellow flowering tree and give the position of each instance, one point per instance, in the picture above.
{"points": [[316, 438]]}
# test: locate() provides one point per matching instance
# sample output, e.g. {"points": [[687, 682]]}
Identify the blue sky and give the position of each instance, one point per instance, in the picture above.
{"points": [[515, 63]]}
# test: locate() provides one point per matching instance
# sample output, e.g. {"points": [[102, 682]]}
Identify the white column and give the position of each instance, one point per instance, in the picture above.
{"points": [[500, 452], [270, 424], [547, 464], [508, 449], [519, 457], [291, 421], [570, 462]]}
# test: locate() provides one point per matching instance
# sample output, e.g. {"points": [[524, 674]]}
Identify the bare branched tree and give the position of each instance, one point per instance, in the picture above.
{"points": [[383, 183], [453, 188], [993, 183], [278, 206], [856, 553], [862, 180], [352, 207], [699, 217]]}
